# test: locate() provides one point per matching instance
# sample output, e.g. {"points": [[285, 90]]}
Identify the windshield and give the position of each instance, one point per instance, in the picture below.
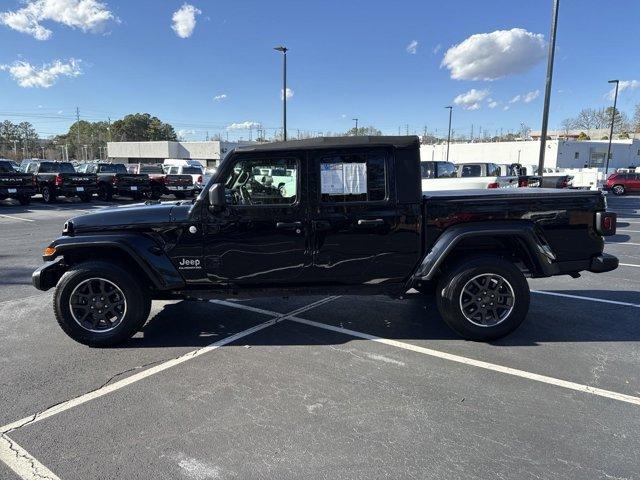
{"points": [[113, 168], [53, 167], [151, 169]]}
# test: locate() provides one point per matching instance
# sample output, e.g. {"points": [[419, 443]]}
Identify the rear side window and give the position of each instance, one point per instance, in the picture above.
{"points": [[446, 170], [426, 170], [470, 170], [493, 170], [357, 177]]}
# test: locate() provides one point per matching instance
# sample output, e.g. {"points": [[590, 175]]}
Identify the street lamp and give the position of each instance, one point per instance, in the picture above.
{"points": [[284, 50], [613, 118], [356, 132], [449, 134], [547, 89]]}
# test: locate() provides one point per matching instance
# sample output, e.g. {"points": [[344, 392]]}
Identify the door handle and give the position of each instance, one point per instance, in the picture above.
{"points": [[370, 223], [288, 225]]}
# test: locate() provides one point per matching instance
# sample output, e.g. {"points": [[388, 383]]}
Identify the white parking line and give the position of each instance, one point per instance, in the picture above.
{"points": [[21, 462], [628, 231], [590, 299], [459, 359], [622, 243], [13, 217], [629, 265]]}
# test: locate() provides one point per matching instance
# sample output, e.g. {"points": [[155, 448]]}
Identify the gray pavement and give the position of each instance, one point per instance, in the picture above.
{"points": [[298, 401]]}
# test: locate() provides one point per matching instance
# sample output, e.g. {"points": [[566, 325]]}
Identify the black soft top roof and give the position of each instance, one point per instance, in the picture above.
{"points": [[333, 142]]}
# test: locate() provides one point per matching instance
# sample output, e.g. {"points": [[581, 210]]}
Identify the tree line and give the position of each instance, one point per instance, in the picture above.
{"points": [[600, 118]]}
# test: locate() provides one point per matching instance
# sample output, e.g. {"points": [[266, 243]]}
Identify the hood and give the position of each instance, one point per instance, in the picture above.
{"points": [[133, 217]]}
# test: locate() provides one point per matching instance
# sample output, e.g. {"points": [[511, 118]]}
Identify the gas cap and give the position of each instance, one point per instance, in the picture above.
{"points": [[192, 229]]}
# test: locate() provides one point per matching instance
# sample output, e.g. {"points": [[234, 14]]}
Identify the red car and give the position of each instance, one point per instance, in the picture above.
{"points": [[621, 183]]}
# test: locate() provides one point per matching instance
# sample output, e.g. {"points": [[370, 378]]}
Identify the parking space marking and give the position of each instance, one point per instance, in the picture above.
{"points": [[457, 358], [629, 265], [112, 387], [13, 217], [629, 231], [590, 299], [622, 243], [22, 463]]}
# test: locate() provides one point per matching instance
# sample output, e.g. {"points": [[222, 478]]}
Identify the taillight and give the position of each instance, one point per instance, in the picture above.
{"points": [[34, 182], [114, 180], [523, 182], [493, 185], [58, 180], [199, 179], [606, 223]]}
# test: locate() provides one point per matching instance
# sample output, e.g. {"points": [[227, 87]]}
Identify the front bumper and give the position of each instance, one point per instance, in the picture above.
{"points": [[603, 263], [47, 275]]}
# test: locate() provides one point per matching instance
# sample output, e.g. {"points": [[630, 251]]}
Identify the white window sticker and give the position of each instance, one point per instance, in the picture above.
{"points": [[331, 178], [355, 178]]}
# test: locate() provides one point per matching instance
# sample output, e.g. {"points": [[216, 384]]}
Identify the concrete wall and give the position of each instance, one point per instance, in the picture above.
{"points": [[560, 153]]}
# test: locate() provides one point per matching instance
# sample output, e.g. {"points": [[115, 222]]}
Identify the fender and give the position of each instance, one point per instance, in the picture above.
{"points": [[529, 236], [145, 252]]}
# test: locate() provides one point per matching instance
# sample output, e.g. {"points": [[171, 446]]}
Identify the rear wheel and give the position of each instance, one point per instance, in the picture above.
{"points": [[100, 304], [48, 194], [618, 189], [483, 298]]}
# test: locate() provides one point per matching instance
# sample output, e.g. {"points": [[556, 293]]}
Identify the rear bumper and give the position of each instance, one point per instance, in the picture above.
{"points": [[47, 275], [137, 189], [73, 191], [7, 192], [603, 263]]}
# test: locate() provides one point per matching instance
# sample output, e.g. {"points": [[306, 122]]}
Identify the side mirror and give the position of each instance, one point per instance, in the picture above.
{"points": [[216, 196]]}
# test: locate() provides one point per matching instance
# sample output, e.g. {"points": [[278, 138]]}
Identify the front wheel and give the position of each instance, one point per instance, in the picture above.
{"points": [[100, 304], [483, 298], [618, 190]]}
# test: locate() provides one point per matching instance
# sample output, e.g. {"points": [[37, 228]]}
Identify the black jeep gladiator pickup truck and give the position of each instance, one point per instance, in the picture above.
{"points": [[15, 184], [60, 178], [327, 215], [113, 178]]}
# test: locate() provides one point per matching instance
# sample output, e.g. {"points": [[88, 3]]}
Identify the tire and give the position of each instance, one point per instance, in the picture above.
{"points": [[84, 280], [155, 194], [137, 196], [618, 190], [104, 193], [48, 194], [180, 195], [24, 200], [464, 314], [86, 197]]}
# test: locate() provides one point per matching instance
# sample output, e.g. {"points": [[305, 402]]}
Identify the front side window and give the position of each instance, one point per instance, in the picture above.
{"points": [[493, 170], [446, 170], [353, 178], [426, 170], [470, 170], [263, 182]]}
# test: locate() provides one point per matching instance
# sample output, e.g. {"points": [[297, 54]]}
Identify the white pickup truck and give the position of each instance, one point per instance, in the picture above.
{"points": [[464, 176]]}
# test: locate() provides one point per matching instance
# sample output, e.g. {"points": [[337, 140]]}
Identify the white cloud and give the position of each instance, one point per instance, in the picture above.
{"points": [[43, 76], [622, 86], [289, 94], [437, 48], [244, 126], [471, 100], [184, 20], [185, 133], [344, 115], [489, 56], [526, 97], [412, 48], [60, 112], [219, 98], [506, 107], [87, 15], [493, 103]]}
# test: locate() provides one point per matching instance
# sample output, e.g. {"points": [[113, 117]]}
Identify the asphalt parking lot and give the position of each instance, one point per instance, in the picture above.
{"points": [[314, 387]]}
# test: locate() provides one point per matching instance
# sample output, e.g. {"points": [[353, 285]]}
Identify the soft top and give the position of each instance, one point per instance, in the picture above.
{"points": [[334, 142]]}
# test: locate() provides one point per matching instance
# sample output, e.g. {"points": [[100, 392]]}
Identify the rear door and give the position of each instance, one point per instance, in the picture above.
{"points": [[633, 182], [355, 221], [262, 235]]}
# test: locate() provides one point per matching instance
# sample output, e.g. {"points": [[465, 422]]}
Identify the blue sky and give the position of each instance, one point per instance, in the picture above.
{"points": [[346, 60]]}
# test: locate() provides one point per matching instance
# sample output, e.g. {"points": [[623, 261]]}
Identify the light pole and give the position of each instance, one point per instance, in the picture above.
{"points": [[547, 89], [449, 134], [356, 132], [613, 118], [284, 50]]}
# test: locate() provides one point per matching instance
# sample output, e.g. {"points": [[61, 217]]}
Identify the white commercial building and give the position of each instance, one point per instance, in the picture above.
{"points": [[207, 153], [560, 153]]}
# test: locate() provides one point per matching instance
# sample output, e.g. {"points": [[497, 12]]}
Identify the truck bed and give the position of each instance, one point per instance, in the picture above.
{"points": [[512, 193]]}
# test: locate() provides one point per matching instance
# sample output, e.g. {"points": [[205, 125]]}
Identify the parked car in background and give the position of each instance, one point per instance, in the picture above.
{"points": [[441, 176], [517, 170], [621, 183], [181, 186], [552, 177], [54, 179], [114, 179], [186, 167], [15, 184], [491, 175]]}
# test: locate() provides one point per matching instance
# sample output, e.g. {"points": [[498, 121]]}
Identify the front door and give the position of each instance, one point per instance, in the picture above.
{"points": [[261, 235], [360, 237]]}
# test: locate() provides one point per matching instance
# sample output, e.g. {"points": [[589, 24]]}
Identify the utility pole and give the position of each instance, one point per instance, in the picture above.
{"points": [[78, 131], [449, 134], [472, 132], [284, 50], [613, 118], [15, 149], [547, 90], [356, 130], [407, 127]]}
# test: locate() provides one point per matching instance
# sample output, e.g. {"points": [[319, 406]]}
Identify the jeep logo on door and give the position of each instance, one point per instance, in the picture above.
{"points": [[189, 264]]}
